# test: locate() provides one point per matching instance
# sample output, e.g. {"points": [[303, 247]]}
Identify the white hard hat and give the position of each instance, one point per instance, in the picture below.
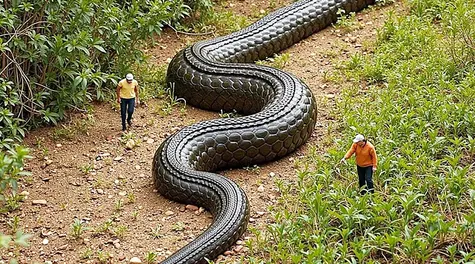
{"points": [[358, 138], [129, 77]]}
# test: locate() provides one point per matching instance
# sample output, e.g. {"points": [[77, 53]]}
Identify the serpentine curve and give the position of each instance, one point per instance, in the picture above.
{"points": [[280, 116]]}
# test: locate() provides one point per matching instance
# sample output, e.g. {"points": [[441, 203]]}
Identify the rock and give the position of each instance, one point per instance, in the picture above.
{"points": [[238, 248], [272, 174], [116, 243], [201, 210], [39, 202], [260, 213], [137, 167], [169, 213], [228, 253], [121, 257], [118, 158], [261, 188], [58, 145], [63, 247], [100, 191], [45, 241], [135, 260], [130, 144], [45, 234], [123, 193], [150, 141], [192, 207]]}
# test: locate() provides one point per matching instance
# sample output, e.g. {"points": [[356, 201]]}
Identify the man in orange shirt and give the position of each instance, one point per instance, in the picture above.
{"points": [[127, 97], [366, 161]]}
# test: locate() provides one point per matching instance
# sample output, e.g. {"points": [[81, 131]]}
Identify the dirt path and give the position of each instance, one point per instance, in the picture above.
{"points": [[94, 179]]}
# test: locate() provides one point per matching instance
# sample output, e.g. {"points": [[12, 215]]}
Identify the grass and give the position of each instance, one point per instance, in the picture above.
{"points": [[78, 228], [413, 98], [277, 61], [76, 126]]}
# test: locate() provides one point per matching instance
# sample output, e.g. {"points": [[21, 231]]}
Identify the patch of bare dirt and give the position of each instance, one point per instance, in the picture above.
{"points": [[94, 179]]}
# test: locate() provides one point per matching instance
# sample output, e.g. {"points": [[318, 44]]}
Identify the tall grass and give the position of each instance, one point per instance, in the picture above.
{"points": [[414, 98]]}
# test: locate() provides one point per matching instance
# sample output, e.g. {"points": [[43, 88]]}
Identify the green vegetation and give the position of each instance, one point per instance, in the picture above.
{"points": [[78, 228], [277, 61], [11, 171], [59, 55], [414, 99]]}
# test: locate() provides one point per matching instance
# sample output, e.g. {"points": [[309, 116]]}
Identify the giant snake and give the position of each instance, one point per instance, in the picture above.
{"points": [[279, 114]]}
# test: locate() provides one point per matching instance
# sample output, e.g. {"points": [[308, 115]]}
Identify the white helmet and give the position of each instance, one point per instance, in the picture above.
{"points": [[129, 77]]}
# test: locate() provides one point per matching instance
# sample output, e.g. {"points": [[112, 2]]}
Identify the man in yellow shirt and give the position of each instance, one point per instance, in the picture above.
{"points": [[366, 161], [127, 97]]}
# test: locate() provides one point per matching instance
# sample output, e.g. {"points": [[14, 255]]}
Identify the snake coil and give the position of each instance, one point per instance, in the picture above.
{"points": [[280, 115]]}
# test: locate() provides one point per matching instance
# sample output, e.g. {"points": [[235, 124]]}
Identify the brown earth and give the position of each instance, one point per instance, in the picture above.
{"points": [[92, 177]]}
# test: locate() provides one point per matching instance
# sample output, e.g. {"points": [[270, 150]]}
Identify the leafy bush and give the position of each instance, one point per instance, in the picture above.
{"points": [[414, 99], [11, 170], [58, 55]]}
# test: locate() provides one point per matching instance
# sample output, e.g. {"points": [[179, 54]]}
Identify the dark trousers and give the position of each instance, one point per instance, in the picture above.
{"points": [[365, 177], [127, 107]]}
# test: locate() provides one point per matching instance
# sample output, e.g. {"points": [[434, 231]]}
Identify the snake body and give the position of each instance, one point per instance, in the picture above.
{"points": [[279, 115]]}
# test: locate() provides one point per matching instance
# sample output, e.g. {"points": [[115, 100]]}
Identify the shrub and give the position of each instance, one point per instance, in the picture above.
{"points": [[58, 55], [11, 170]]}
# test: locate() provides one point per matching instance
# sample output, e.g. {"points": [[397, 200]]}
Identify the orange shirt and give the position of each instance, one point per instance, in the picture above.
{"points": [[365, 156]]}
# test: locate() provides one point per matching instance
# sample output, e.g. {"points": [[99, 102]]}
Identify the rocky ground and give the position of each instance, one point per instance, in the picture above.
{"points": [[91, 198]]}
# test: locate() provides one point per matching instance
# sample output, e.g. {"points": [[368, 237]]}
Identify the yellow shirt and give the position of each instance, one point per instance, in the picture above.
{"points": [[365, 156], [127, 90]]}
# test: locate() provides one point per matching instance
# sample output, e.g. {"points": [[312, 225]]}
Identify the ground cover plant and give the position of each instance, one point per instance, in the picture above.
{"points": [[413, 98]]}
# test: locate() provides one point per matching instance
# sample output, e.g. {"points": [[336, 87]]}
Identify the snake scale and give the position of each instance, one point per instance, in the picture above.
{"points": [[279, 114]]}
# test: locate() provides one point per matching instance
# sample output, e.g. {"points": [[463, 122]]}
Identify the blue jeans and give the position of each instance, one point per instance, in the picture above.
{"points": [[365, 177], [127, 106]]}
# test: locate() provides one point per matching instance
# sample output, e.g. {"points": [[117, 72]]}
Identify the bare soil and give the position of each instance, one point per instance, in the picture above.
{"points": [[92, 177]]}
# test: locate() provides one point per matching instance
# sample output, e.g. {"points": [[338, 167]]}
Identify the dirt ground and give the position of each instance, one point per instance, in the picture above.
{"points": [[92, 178]]}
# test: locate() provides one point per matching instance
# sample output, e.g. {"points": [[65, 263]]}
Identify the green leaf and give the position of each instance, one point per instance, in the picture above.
{"points": [[5, 240], [21, 239], [100, 48]]}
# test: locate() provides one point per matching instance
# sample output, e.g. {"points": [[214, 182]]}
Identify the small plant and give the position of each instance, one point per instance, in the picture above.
{"points": [[103, 256], [155, 232], [14, 224], [65, 132], [87, 253], [178, 226], [119, 205], [135, 215], [77, 228], [233, 114], [130, 140], [106, 227], [16, 241], [120, 231], [11, 171], [278, 61], [86, 168], [131, 197], [151, 257], [254, 169], [345, 21]]}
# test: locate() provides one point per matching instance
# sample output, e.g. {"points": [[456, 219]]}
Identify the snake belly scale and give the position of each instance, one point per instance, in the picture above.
{"points": [[279, 115]]}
